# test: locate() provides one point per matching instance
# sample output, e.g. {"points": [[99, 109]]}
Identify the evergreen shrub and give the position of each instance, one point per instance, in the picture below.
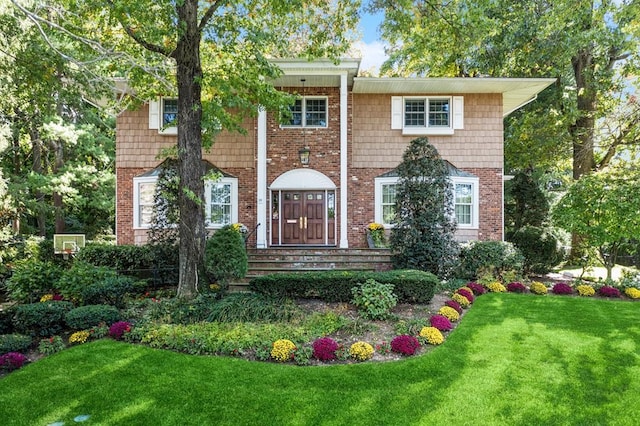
{"points": [[226, 256], [41, 319], [491, 256], [89, 316], [409, 286], [14, 343]]}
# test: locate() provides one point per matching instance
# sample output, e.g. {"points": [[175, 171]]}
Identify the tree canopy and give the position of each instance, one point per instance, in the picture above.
{"points": [[590, 47], [214, 55]]}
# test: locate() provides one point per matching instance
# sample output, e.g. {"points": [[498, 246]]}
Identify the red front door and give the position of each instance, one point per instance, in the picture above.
{"points": [[303, 219]]}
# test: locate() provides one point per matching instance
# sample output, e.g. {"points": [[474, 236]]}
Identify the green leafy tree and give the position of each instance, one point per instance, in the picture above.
{"points": [[525, 202], [604, 207], [214, 56], [57, 150], [423, 235], [590, 47]]}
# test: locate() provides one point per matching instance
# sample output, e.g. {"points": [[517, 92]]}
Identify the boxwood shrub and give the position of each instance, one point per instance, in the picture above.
{"points": [[41, 319], [489, 256], [335, 286], [91, 315], [14, 343], [110, 291]]}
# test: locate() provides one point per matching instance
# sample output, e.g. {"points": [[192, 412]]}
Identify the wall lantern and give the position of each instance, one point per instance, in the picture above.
{"points": [[304, 154]]}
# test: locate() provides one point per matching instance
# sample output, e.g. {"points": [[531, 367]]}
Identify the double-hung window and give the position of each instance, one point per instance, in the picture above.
{"points": [[465, 201], [308, 112], [385, 200], [144, 190], [221, 199], [418, 115]]}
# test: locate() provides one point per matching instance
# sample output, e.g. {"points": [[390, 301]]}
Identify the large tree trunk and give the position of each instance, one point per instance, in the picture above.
{"points": [[58, 203], [191, 190]]}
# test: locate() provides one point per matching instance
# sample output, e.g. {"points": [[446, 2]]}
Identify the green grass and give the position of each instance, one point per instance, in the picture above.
{"points": [[514, 360]]}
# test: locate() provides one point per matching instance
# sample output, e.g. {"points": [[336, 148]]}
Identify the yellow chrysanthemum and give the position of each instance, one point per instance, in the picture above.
{"points": [[450, 313], [462, 301], [538, 288], [282, 350], [361, 351], [585, 290], [632, 292], [496, 287], [432, 335]]}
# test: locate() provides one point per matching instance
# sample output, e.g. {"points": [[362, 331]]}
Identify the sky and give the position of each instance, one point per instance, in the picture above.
{"points": [[371, 47]]}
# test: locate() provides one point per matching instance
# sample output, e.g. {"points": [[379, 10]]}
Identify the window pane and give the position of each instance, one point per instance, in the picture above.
{"points": [[221, 214], [169, 112], [464, 193], [146, 192], [414, 112], [220, 204], [389, 194], [296, 113], [463, 214], [389, 203], [221, 193], [439, 113], [145, 215], [316, 112]]}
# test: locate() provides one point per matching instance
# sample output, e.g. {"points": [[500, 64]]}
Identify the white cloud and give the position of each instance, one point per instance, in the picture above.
{"points": [[372, 55]]}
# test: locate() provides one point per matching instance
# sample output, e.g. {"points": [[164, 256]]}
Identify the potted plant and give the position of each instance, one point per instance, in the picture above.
{"points": [[376, 236]]}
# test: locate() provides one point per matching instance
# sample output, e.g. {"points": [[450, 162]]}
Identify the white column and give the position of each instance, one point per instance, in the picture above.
{"points": [[344, 175], [261, 189]]}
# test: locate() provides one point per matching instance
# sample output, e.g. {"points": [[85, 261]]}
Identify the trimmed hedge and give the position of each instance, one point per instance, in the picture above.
{"points": [[42, 319], [90, 316], [335, 286]]}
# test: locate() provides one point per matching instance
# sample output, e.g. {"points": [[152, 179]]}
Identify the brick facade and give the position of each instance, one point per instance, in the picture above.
{"points": [[373, 149]]}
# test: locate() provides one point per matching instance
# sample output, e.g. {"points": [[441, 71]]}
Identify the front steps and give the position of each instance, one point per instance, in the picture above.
{"points": [[285, 260]]}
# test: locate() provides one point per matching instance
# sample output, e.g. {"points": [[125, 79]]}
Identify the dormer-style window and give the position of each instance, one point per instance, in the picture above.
{"points": [[426, 115], [308, 112]]}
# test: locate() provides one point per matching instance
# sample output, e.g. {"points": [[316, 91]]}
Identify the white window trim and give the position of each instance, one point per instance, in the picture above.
{"points": [[304, 114], [379, 183], [154, 179], [475, 205], [156, 112], [136, 200], [456, 116], [234, 201]]}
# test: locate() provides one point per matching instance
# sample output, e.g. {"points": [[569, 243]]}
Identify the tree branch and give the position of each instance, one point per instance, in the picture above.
{"points": [[209, 13], [131, 33]]}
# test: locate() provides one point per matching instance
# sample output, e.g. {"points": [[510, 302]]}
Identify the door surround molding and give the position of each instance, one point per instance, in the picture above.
{"points": [[298, 179]]}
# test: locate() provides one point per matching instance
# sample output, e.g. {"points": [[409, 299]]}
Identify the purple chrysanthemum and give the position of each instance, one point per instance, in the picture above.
{"points": [[516, 287], [405, 344], [466, 293], [440, 322], [455, 305], [118, 329], [325, 349], [12, 361], [608, 291], [562, 288], [476, 288]]}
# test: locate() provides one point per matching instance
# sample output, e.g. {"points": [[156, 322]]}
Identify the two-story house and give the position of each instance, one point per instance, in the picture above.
{"points": [[321, 177]]}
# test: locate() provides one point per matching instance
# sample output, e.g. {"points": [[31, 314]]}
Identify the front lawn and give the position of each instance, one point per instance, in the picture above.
{"points": [[514, 359]]}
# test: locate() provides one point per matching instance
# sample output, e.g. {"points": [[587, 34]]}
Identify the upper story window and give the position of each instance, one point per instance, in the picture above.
{"points": [[169, 112], [420, 115], [308, 112], [163, 116]]}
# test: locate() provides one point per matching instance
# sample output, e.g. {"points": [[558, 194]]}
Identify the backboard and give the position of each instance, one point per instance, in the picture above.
{"points": [[67, 243]]}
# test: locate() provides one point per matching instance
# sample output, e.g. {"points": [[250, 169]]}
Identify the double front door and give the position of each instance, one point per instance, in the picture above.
{"points": [[303, 218]]}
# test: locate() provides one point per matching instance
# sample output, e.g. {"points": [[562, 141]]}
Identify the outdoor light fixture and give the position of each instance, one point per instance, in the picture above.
{"points": [[304, 154]]}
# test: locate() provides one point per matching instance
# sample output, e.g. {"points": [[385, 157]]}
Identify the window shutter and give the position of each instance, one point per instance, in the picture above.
{"points": [[154, 114], [396, 112], [458, 112]]}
